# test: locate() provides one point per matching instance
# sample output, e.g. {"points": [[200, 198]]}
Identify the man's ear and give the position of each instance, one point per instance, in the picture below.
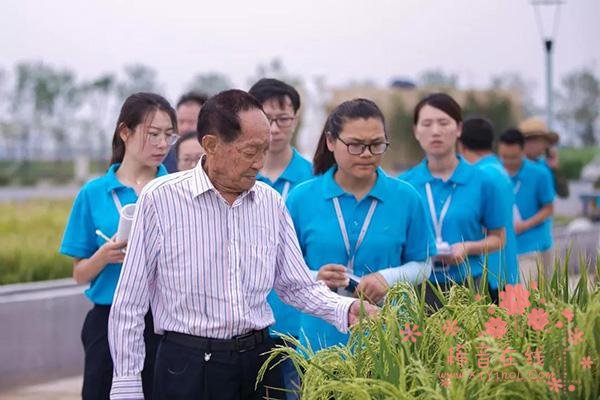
{"points": [[209, 144]]}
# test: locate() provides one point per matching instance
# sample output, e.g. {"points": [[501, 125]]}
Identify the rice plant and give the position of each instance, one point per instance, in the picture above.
{"points": [[541, 342]]}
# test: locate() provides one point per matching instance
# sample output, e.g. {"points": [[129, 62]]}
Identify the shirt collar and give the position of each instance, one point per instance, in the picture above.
{"points": [[461, 175], [201, 183], [489, 159], [293, 172], [112, 182], [331, 188]]}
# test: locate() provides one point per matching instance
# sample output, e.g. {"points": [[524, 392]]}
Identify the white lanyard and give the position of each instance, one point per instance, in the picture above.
{"points": [[516, 212], [517, 187], [286, 189], [437, 223], [117, 202], [361, 235]]}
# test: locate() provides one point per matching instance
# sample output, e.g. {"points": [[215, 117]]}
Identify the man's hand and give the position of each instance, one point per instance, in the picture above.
{"points": [[354, 313], [334, 276], [373, 287]]}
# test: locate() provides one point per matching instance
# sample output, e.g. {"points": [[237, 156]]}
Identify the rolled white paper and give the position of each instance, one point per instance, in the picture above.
{"points": [[125, 222]]}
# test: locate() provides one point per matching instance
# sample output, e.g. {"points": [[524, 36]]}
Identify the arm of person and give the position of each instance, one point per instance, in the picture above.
{"points": [[545, 197], [295, 285], [415, 263], [86, 269], [131, 302], [375, 286], [536, 219], [493, 241], [80, 240]]}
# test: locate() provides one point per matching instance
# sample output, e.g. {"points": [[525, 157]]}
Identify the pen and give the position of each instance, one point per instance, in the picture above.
{"points": [[102, 235]]}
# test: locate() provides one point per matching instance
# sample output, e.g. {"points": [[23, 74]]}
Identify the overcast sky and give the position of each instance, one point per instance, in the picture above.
{"points": [[342, 40]]}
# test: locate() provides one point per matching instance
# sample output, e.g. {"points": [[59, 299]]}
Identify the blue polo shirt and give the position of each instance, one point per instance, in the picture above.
{"points": [[396, 234], [474, 207], [533, 190], [94, 208], [298, 170], [502, 265]]}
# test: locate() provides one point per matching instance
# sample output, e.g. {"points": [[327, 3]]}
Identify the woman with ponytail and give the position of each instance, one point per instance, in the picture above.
{"points": [[145, 130], [360, 230]]}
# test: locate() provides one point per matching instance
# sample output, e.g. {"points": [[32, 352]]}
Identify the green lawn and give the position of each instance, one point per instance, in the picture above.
{"points": [[30, 233]]}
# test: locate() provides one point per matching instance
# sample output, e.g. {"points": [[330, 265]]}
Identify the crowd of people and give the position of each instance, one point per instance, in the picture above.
{"points": [[237, 238]]}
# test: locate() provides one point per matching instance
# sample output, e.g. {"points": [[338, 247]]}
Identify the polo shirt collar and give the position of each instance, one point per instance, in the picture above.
{"points": [[113, 183], [461, 175], [331, 188], [293, 172]]}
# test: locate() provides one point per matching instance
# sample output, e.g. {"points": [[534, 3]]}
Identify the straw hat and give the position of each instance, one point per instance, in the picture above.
{"points": [[536, 127]]}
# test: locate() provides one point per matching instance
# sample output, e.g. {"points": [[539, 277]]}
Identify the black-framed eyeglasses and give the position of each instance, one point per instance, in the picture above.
{"points": [[282, 122], [357, 149]]}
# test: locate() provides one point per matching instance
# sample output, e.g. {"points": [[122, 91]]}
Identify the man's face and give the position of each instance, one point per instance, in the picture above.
{"points": [[283, 129], [187, 116], [511, 156], [535, 147], [236, 164]]}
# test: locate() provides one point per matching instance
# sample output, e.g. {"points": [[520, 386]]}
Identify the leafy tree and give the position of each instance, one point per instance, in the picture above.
{"points": [[210, 83], [438, 79], [579, 105], [138, 78]]}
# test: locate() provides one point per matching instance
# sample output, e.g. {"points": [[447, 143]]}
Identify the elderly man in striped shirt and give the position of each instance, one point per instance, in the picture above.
{"points": [[207, 247]]}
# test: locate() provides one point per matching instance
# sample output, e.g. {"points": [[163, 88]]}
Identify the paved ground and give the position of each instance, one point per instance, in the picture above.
{"points": [[63, 389]]}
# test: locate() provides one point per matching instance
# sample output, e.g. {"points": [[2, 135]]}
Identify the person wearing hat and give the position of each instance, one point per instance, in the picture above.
{"points": [[540, 146]]}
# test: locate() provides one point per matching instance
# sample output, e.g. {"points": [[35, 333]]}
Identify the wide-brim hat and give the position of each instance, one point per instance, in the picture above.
{"points": [[536, 127]]}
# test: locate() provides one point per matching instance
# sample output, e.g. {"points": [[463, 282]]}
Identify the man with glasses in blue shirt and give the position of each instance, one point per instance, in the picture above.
{"points": [[283, 169]]}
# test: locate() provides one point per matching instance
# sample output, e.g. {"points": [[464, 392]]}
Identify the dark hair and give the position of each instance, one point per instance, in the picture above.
{"points": [[192, 97], [220, 114], [513, 136], [441, 101], [185, 137], [267, 89], [136, 109], [477, 134], [347, 111]]}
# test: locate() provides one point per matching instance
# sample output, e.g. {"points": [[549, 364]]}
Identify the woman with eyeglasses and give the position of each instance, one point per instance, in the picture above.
{"points": [[360, 230], [463, 206], [145, 130]]}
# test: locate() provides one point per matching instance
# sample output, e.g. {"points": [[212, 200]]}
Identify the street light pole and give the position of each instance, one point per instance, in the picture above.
{"points": [[549, 97], [548, 39]]}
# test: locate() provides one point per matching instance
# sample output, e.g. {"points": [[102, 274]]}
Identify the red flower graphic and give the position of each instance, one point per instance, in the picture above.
{"points": [[537, 319], [495, 327], [450, 328], [559, 325], [568, 314], [410, 333], [575, 336], [586, 362], [514, 299], [555, 385]]}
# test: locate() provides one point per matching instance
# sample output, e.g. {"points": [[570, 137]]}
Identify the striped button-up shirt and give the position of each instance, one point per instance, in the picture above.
{"points": [[206, 268]]}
